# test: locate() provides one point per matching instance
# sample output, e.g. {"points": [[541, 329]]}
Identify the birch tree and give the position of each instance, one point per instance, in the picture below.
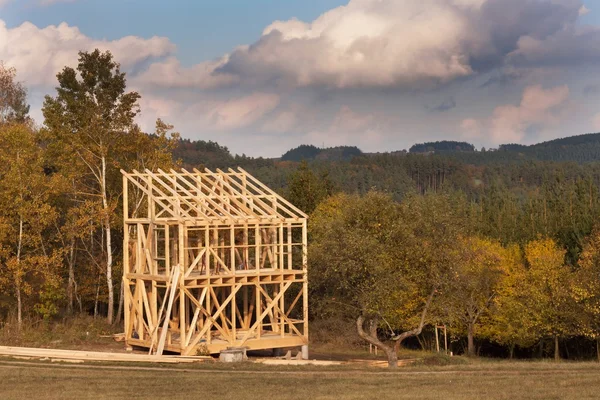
{"points": [[89, 123]]}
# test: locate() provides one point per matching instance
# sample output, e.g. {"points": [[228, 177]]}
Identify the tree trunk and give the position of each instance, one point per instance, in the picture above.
{"points": [[19, 306], [97, 297], [71, 281], [19, 275], [556, 349], [471, 341], [511, 351], [598, 348], [371, 337], [120, 309], [109, 260]]}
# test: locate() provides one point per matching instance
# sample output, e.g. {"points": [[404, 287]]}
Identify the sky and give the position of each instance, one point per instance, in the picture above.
{"points": [[263, 76]]}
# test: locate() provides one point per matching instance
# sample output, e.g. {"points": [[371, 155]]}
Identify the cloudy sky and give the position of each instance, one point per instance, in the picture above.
{"points": [[262, 76]]}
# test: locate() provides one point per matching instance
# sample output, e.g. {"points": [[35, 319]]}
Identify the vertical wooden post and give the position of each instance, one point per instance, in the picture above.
{"points": [[167, 250], [281, 242], [126, 259], [233, 268], [305, 278], [207, 247], [209, 310], [181, 283], [257, 244], [289, 245], [258, 310], [245, 306], [232, 262], [246, 257]]}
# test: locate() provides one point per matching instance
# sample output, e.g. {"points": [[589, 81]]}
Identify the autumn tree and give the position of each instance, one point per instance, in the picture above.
{"points": [[468, 294], [29, 268], [512, 320], [383, 261], [90, 127], [549, 281]]}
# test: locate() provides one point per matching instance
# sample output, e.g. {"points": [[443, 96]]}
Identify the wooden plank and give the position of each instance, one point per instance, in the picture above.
{"points": [[163, 333], [94, 355]]}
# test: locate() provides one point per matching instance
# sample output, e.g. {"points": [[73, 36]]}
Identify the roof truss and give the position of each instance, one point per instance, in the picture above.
{"points": [[204, 196]]}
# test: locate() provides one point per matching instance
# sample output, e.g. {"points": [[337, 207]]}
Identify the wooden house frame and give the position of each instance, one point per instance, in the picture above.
{"points": [[212, 260]]}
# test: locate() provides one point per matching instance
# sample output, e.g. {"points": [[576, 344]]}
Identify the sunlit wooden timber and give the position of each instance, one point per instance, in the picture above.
{"points": [[212, 260]]}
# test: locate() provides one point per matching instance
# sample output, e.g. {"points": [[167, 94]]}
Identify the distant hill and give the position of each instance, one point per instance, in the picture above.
{"points": [[442, 146], [581, 149], [310, 152], [454, 165], [200, 152]]}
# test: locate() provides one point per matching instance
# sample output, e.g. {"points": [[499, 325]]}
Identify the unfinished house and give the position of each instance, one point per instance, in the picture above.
{"points": [[212, 260]]}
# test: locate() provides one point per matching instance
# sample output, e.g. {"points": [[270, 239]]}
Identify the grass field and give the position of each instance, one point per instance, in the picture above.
{"points": [[476, 380]]}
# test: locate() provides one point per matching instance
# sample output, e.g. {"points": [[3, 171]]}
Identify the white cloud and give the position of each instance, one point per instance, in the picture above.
{"points": [[366, 43], [584, 10], [539, 107], [170, 74], [407, 44], [39, 53], [234, 113]]}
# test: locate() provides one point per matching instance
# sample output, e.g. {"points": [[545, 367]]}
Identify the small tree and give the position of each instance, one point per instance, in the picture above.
{"points": [[468, 295], [550, 295], [512, 321]]}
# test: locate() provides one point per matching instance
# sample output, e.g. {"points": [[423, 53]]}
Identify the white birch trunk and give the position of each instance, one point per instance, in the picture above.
{"points": [[109, 260], [18, 276]]}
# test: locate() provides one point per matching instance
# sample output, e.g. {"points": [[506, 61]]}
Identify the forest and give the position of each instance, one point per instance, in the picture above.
{"points": [[500, 246]]}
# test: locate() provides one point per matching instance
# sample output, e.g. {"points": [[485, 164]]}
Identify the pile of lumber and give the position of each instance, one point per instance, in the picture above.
{"points": [[82, 356]]}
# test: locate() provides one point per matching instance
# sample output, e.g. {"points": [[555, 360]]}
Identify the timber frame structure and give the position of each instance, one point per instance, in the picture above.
{"points": [[212, 260]]}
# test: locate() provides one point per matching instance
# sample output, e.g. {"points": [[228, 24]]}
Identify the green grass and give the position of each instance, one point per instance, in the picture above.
{"points": [[473, 380]]}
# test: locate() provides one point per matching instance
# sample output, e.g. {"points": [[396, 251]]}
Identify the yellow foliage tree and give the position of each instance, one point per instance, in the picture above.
{"points": [[469, 293], [550, 297], [27, 267], [511, 321]]}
